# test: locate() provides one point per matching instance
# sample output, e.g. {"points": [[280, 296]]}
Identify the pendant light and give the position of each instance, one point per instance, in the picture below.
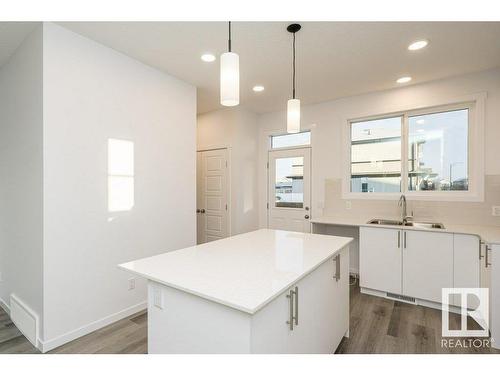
{"points": [[293, 106], [229, 76]]}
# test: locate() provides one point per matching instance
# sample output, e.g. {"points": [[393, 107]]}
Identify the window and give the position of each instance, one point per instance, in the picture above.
{"points": [[291, 140], [436, 142], [289, 182], [437, 151], [376, 155], [120, 175]]}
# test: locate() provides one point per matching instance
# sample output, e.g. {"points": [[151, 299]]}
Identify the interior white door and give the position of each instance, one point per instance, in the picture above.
{"points": [[289, 191], [212, 196]]}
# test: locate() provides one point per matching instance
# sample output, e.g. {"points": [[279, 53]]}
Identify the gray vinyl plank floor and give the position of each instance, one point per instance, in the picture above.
{"points": [[377, 325]]}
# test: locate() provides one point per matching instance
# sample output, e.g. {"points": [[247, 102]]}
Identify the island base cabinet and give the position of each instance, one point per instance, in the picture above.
{"points": [[322, 313], [180, 322]]}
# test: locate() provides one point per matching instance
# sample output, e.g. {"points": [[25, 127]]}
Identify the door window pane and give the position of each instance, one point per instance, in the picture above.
{"points": [[289, 182], [291, 140], [437, 151], [376, 155]]}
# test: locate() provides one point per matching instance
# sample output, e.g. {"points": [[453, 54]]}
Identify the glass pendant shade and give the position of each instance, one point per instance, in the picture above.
{"points": [[229, 79], [293, 116]]}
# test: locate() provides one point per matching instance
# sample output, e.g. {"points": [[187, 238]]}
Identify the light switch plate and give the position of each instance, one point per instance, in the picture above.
{"points": [[495, 210]]}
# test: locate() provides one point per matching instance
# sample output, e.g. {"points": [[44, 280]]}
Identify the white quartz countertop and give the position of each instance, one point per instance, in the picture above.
{"points": [[488, 233], [244, 272]]}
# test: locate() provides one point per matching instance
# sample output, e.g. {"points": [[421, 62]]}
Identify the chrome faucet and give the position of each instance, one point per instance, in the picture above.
{"points": [[402, 204]]}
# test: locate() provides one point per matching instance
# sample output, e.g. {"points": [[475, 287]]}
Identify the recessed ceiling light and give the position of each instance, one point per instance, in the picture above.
{"points": [[208, 57], [419, 44], [403, 79], [258, 88]]}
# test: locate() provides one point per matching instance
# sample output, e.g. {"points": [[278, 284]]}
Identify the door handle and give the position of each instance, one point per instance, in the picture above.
{"points": [[306, 217], [198, 211], [202, 210]]}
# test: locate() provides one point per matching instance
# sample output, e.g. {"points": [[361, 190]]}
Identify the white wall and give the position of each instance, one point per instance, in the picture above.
{"points": [[328, 118], [236, 129], [92, 93], [21, 174]]}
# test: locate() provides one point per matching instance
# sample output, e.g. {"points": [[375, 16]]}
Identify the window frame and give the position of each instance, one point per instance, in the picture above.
{"points": [[280, 134], [475, 149]]}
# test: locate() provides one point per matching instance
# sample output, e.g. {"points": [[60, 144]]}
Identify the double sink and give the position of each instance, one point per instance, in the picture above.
{"points": [[415, 224]]}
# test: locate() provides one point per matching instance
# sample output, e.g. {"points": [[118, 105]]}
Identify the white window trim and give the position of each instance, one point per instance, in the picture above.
{"points": [[476, 105]]}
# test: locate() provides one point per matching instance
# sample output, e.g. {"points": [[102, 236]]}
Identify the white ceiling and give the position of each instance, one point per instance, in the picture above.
{"points": [[11, 36], [334, 59]]}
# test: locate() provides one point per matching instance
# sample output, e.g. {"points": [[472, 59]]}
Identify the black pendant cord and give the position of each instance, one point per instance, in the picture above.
{"points": [[293, 89], [229, 41]]}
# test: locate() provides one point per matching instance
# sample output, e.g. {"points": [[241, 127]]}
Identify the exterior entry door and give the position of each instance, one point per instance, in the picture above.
{"points": [[212, 195], [289, 191]]}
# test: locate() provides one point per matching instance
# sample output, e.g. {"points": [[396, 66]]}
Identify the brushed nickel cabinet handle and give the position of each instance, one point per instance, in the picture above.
{"points": [[336, 259], [290, 307], [296, 298], [486, 257], [404, 239], [399, 239]]}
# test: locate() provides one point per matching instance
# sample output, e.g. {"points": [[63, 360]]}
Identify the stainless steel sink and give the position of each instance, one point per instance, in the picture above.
{"points": [[385, 222], [415, 224], [424, 225]]}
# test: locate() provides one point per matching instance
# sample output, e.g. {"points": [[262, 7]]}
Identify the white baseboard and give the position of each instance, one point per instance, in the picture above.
{"points": [[5, 306], [48, 345]]}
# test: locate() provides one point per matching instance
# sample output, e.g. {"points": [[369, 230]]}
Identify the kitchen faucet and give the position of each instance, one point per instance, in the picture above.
{"points": [[402, 204]]}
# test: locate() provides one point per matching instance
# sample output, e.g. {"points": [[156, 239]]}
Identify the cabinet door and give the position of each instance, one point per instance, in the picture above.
{"points": [[270, 332], [494, 260], [427, 264], [323, 308], [380, 259], [466, 265]]}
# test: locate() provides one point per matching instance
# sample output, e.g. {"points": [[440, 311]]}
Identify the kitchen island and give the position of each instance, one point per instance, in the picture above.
{"points": [[266, 291]]}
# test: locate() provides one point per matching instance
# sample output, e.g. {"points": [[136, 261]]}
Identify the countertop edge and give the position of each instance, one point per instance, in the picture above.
{"points": [[241, 308], [337, 222]]}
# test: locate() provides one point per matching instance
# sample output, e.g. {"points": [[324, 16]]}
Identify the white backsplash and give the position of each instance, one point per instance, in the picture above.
{"points": [[475, 213]]}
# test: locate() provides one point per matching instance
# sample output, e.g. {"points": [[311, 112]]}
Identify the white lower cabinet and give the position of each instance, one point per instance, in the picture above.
{"points": [[380, 259], [466, 266], [317, 306], [311, 316], [417, 263], [427, 264]]}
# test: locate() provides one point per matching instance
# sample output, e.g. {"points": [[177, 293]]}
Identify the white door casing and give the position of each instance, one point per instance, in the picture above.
{"points": [[291, 168], [212, 196]]}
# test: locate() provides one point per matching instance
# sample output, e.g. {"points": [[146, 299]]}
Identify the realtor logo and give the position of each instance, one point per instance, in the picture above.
{"points": [[471, 302]]}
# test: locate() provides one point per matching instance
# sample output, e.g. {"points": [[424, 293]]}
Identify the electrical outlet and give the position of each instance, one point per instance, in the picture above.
{"points": [[157, 298], [348, 205], [131, 283], [495, 210]]}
